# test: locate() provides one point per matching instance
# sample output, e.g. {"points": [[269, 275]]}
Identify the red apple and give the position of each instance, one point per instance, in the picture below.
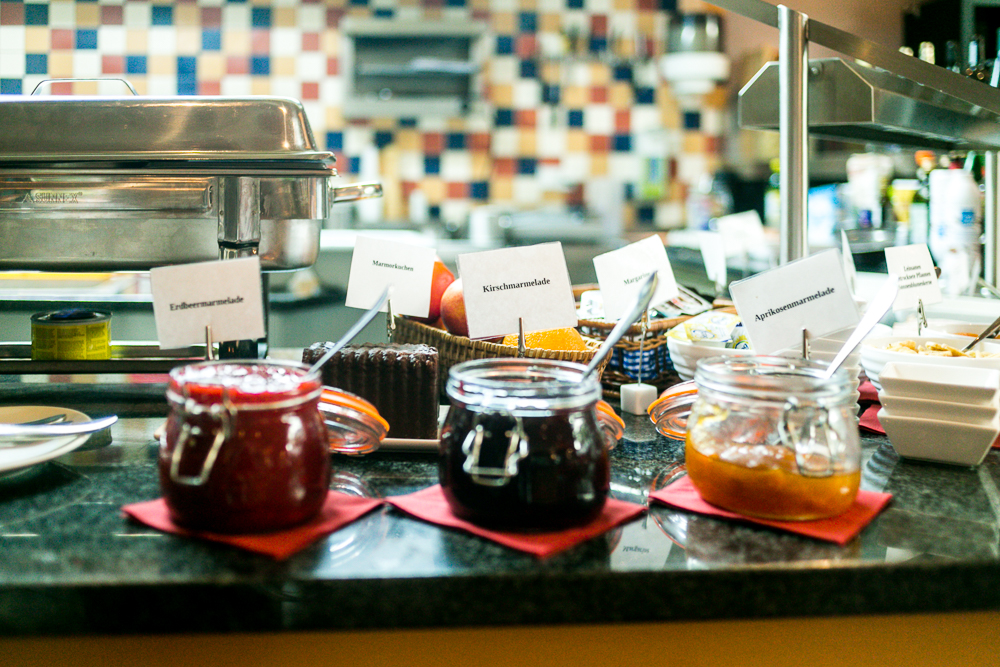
{"points": [[440, 280], [453, 309]]}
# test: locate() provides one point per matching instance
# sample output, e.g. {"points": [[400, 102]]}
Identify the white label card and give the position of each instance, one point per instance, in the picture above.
{"points": [[850, 268], [621, 273], [743, 233], [917, 279], [225, 295], [530, 282], [377, 264], [713, 254], [811, 292]]}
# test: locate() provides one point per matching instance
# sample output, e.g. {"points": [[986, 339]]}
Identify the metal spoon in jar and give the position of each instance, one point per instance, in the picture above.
{"points": [[878, 307], [641, 304], [352, 332]]}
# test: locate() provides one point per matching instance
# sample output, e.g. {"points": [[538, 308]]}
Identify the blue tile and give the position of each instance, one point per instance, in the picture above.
{"points": [[260, 17], [335, 141], [384, 13], [10, 86], [237, 2], [598, 44], [187, 87], [529, 69], [163, 15], [629, 191], [668, 5], [86, 39], [575, 118], [187, 65], [36, 63], [505, 45], [434, 212], [211, 39], [359, 3], [383, 139], [645, 215], [260, 65], [479, 190], [354, 165], [455, 141], [622, 73], [528, 21], [432, 165], [504, 118], [550, 94], [36, 14], [527, 165], [692, 120], [455, 3], [574, 4], [135, 64], [621, 142], [407, 122], [645, 96]]}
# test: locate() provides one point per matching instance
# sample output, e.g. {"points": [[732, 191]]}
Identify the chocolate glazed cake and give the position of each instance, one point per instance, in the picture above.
{"points": [[401, 381]]}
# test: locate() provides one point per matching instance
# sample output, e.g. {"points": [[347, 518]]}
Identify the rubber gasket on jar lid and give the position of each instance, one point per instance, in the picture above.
{"points": [[669, 413]]}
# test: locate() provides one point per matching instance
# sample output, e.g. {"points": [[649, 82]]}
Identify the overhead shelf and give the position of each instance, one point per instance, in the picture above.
{"points": [[856, 102]]}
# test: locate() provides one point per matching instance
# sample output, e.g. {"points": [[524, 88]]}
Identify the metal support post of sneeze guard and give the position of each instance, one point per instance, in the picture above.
{"points": [[991, 211], [793, 101]]}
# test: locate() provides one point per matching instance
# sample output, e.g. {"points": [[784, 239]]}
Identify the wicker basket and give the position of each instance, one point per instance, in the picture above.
{"points": [[456, 349]]}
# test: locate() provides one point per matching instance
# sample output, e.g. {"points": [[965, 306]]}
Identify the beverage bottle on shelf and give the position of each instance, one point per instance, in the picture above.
{"points": [[951, 60], [920, 205], [976, 66], [926, 52], [955, 228]]}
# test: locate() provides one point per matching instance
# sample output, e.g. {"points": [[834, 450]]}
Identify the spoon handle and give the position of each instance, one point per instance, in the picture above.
{"points": [[362, 322], [642, 299], [55, 430], [876, 309], [987, 332]]}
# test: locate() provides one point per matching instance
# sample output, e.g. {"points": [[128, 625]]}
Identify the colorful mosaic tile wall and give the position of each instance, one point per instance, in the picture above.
{"points": [[542, 129]]}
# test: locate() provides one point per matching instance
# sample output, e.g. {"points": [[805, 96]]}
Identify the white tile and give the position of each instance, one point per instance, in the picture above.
{"points": [[645, 118], [162, 41], [598, 119], [311, 18], [551, 6], [283, 86], [691, 167], [527, 94], [410, 13], [235, 85], [527, 191], [455, 14], [576, 167], [11, 65], [62, 15], [505, 142], [455, 211], [286, 41], [137, 15], [669, 215], [550, 178], [432, 124], [30, 81], [504, 70], [551, 141], [356, 139], [456, 165], [86, 64], [111, 40], [712, 121], [316, 114], [310, 66], [625, 167], [207, 3], [504, 5], [410, 165], [161, 84], [236, 17], [12, 39], [598, 6], [578, 73], [331, 91]]}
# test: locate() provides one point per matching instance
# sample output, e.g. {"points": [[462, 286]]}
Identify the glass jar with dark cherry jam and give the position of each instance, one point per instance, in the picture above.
{"points": [[522, 446], [245, 448]]}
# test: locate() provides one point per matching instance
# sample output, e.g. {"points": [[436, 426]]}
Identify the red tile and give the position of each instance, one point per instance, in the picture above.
{"points": [[672, 168], [237, 65], [332, 67], [62, 88], [11, 13], [211, 17], [333, 17], [504, 166], [549, 161], [623, 121], [599, 94], [527, 46], [112, 64], [649, 5], [310, 91], [483, 15], [61, 38], [478, 141], [433, 143], [600, 143], [112, 15], [527, 117], [209, 87], [599, 25], [310, 41], [260, 42], [713, 144], [457, 190], [407, 187]]}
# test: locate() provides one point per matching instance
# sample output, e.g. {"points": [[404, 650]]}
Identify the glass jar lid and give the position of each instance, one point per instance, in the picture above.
{"points": [[253, 384], [773, 379], [353, 425], [523, 384]]}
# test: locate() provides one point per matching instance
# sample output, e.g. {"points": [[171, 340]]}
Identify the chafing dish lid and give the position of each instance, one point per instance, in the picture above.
{"points": [[73, 129]]}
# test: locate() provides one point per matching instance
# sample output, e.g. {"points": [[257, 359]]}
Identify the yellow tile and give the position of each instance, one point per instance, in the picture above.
{"points": [[502, 189], [620, 95], [135, 41], [164, 65], [527, 142], [211, 66], [455, 125], [549, 22], [502, 95], [85, 88], [600, 74], [553, 197], [577, 141], [482, 166], [187, 15], [36, 39], [61, 64], [236, 42], [287, 17], [139, 83], [480, 5], [551, 72], [88, 15], [624, 5], [694, 142], [188, 40], [334, 117], [383, 123], [575, 96], [503, 23], [260, 85], [434, 188], [329, 42], [646, 23], [409, 139], [599, 164], [283, 66]]}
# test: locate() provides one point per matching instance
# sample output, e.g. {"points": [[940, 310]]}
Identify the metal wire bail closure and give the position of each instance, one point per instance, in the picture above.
{"points": [[223, 413], [517, 450], [808, 438]]}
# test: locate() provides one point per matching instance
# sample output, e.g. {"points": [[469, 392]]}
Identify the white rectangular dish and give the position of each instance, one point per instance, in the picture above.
{"points": [[939, 382], [939, 410], [943, 442]]}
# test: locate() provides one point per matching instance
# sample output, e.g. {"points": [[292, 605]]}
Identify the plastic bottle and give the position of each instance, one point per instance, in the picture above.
{"points": [[955, 228]]}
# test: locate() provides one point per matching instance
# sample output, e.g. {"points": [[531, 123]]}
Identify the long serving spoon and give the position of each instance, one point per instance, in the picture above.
{"points": [[13, 432], [987, 332], [352, 332], [878, 307], [641, 304]]}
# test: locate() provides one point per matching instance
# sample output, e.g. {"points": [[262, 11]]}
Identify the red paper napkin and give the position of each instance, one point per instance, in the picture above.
{"points": [[868, 392], [430, 505], [339, 510], [869, 420], [840, 529]]}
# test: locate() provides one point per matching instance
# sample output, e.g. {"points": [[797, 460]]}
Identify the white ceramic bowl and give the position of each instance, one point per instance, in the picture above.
{"points": [[685, 355], [923, 408], [945, 442], [955, 384], [874, 355], [935, 327]]}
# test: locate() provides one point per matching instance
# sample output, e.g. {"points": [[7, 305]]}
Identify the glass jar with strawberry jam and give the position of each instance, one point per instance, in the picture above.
{"points": [[244, 448], [769, 437], [522, 446]]}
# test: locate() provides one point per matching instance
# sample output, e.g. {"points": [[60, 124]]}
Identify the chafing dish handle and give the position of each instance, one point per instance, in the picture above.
{"points": [[355, 192], [49, 82]]}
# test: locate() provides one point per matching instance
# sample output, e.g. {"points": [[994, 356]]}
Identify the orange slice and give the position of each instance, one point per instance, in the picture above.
{"points": [[552, 339]]}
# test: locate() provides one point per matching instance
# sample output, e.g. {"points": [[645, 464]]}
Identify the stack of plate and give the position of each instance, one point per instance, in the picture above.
{"points": [[685, 354], [939, 413]]}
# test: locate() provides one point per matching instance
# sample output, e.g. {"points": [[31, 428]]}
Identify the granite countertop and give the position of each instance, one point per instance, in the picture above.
{"points": [[72, 564]]}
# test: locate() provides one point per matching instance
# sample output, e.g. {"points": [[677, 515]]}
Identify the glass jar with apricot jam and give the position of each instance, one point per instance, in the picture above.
{"points": [[769, 437], [522, 446]]}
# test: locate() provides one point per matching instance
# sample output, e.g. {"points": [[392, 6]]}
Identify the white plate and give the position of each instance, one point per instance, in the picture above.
{"points": [[22, 456], [874, 355]]}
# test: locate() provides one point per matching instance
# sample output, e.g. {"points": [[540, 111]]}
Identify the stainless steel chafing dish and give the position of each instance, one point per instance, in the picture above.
{"points": [[131, 183]]}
